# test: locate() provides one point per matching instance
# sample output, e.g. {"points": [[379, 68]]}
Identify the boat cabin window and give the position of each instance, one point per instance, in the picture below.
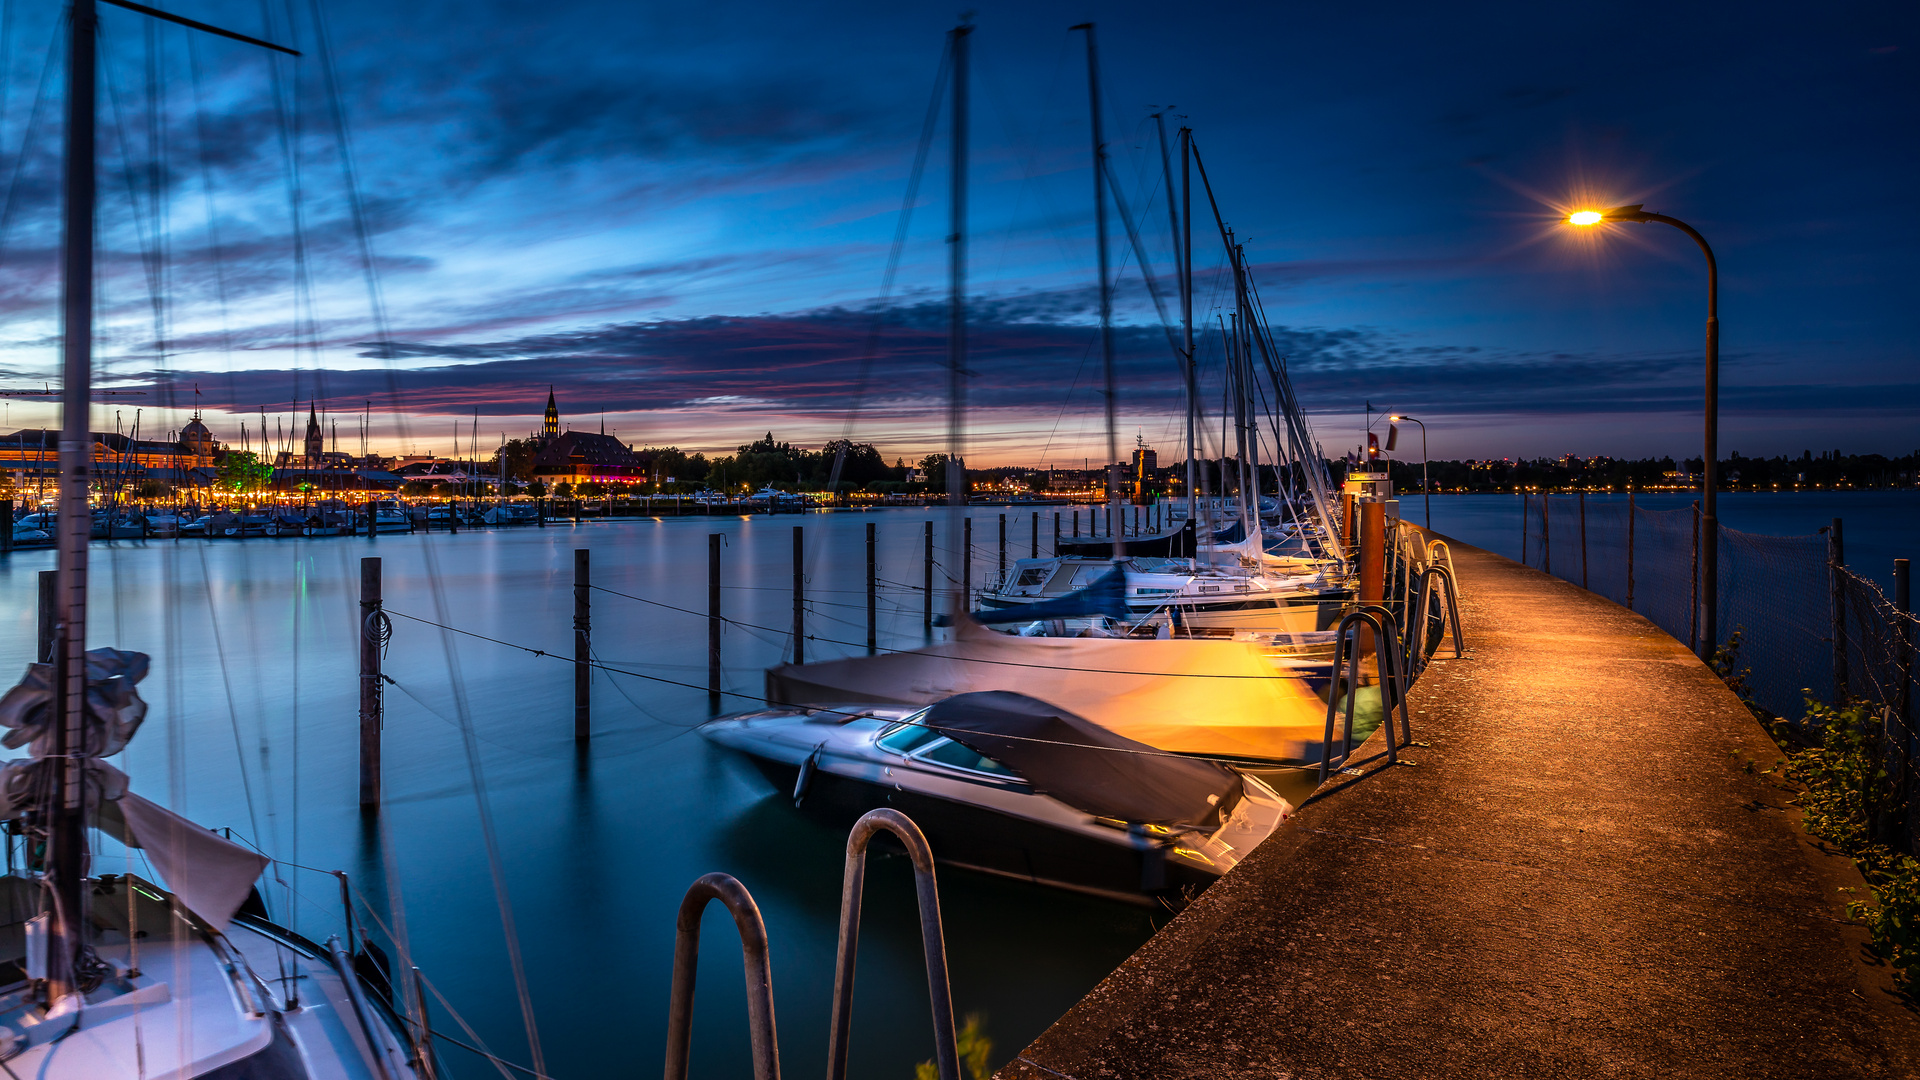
{"points": [[1087, 575], [906, 738], [1032, 575], [948, 752]]}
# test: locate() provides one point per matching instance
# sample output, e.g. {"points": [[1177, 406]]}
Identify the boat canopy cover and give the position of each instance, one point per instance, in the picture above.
{"points": [[1220, 698], [1083, 764], [1106, 596], [1178, 544]]}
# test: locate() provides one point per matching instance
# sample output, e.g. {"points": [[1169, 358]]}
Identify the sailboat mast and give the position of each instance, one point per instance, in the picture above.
{"points": [[1186, 310], [1106, 292], [66, 839], [957, 310]]}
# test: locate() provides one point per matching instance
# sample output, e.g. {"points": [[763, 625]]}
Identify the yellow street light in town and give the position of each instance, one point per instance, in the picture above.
{"points": [[1710, 554]]}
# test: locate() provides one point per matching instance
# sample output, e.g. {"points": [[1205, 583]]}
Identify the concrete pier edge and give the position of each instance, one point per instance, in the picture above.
{"points": [[1577, 875]]}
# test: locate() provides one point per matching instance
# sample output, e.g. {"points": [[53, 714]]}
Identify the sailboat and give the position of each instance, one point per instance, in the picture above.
{"points": [[103, 975]]}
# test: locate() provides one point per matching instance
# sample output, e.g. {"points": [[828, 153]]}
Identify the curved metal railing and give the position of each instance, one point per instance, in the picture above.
{"points": [[686, 962], [932, 939]]}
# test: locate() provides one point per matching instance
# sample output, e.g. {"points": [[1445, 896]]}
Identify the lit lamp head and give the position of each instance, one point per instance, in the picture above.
{"points": [[1618, 213]]}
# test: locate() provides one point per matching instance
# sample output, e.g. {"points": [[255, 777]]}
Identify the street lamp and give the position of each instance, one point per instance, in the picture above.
{"points": [[1426, 490], [1710, 563]]}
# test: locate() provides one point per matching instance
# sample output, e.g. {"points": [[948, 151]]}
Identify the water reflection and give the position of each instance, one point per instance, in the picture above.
{"points": [[254, 726]]}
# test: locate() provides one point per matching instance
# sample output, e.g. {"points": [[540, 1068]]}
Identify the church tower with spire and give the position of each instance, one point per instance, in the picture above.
{"points": [[316, 442], [550, 427]]}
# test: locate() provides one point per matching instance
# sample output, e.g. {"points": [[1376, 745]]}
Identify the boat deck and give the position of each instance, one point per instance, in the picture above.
{"points": [[1579, 877]]}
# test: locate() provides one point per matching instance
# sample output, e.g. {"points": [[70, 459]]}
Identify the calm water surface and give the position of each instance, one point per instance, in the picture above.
{"points": [[253, 726], [1879, 526]]}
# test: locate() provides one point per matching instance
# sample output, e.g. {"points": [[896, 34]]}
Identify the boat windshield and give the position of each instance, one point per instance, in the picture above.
{"points": [[948, 752], [907, 736]]}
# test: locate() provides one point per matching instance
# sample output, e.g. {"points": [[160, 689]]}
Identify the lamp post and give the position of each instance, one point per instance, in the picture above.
{"points": [[1426, 490], [1710, 551]]}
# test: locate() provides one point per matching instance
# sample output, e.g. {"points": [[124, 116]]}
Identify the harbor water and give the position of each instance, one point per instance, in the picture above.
{"points": [[254, 727]]}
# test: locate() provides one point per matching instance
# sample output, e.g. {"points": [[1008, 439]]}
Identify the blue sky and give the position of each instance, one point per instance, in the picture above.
{"points": [[680, 215]]}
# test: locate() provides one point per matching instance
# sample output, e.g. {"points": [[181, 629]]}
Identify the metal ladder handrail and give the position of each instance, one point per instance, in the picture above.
{"points": [[1386, 654], [686, 964], [1445, 553], [1423, 593], [932, 939], [1397, 684]]}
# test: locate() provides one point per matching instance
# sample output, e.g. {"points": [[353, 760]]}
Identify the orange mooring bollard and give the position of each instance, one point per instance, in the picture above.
{"points": [[1373, 552]]}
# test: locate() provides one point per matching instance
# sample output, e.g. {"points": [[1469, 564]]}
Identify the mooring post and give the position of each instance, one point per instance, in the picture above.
{"points": [[373, 623], [582, 649], [966, 561], [49, 601], [926, 591], [1076, 523], [1630, 517], [713, 621], [1056, 535], [1583, 539], [6, 531], [1373, 563], [453, 518], [1836, 573], [540, 510], [1034, 551], [799, 595], [1003, 545], [873, 604]]}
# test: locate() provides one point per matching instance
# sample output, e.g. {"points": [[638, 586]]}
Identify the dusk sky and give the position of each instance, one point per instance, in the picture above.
{"points": [[679, 215]]}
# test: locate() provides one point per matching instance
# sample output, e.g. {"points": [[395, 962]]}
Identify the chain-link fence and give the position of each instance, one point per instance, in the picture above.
{"points": [[1806, 624]]}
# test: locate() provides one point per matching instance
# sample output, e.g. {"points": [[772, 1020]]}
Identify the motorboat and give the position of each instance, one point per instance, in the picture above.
{"points": [[25, 535], [511, 514], [1189, 597], [163, 523], [1008, 784], [118, 525], [390, 517]]}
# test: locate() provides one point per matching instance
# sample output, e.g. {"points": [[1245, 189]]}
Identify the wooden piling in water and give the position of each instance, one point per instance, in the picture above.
{"points": [[966, 561], [713, 621], [372, 626], [1034, 552], [49, 602], [799, 595], [873, 605], [1003, 544], [927, 590], [582, 648]]}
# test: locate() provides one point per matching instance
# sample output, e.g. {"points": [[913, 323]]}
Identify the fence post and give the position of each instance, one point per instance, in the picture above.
{"points": [[1546, 533], [873, 607], [926, 619], [1583, 539], [1836, 568], [1693, 587], [49, 601], [1903, 603], [713, 622], [582, 648], [1630, 517], [799, 595], [371, 624]]}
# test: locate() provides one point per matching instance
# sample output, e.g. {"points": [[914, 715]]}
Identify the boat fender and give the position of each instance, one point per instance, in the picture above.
{"points": [[805, 780]]}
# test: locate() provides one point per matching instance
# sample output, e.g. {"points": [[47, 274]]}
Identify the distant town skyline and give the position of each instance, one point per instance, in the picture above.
{"points": [[682, 217]]}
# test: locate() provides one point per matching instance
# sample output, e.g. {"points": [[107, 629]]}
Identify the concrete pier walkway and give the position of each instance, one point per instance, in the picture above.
{"points": [[1576, 876]]}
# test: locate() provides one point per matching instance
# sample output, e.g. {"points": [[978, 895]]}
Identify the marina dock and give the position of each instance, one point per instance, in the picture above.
{"points": [[1573, 872]]}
